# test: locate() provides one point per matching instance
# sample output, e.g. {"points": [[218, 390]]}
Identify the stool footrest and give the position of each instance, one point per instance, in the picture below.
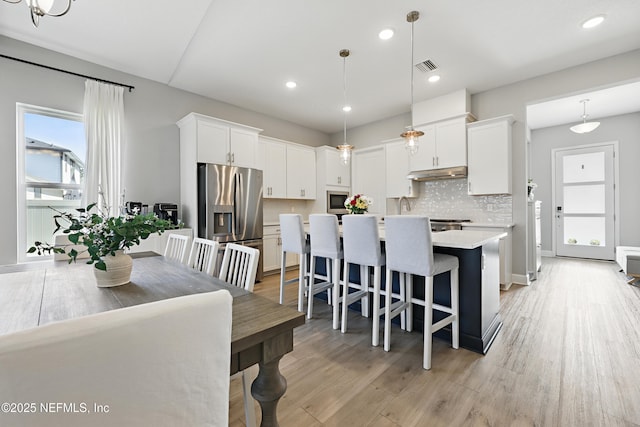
{"points": [[355, 296], [442, 323]]}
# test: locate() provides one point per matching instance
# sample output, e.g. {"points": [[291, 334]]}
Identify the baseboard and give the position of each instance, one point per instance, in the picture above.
{"points": [[548, 254], [519, 279]]}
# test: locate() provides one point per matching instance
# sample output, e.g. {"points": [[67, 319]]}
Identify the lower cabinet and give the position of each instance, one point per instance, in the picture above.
{"points": [[272, 249], [505, 249]]}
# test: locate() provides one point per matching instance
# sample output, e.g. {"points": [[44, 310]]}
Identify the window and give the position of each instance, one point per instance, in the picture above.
{"points": [[51, 155]]}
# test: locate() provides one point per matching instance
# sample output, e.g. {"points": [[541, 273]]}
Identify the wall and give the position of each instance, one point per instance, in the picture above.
{"points": [[151, 152], [626, 130], [512, 99]]}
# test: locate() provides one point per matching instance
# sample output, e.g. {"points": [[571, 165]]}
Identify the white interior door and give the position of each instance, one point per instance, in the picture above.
{"points": [[584, 202]]}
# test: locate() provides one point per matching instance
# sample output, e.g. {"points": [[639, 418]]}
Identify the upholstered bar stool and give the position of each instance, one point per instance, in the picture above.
{"points": [[361, 243], [293, 241], [325, 243], [409, 251]]}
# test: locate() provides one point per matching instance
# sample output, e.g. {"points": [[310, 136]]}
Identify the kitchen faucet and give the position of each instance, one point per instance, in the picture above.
{"points": [[400, 200]]}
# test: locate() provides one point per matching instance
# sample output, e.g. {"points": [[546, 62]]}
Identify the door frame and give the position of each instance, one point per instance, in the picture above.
{"points": [[616, 191]]}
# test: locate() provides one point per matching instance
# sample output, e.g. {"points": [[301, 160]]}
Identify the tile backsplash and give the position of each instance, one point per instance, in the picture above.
{"points": [[449, 199]]}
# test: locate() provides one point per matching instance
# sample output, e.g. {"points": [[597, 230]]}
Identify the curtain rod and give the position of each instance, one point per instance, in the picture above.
{"points": [[66, 72]]}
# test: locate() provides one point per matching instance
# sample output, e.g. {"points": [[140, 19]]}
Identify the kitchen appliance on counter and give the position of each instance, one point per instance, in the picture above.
{"points": [[168, 211], [335, 202], [439, 224], [230, 207]]}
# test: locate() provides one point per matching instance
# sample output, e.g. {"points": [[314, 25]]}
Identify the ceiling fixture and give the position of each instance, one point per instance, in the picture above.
{"points": [[593, 22], [345, 149], [291, 84], [585, 127], [411, 136], [41, 8], [385, 34], [434, 78]]}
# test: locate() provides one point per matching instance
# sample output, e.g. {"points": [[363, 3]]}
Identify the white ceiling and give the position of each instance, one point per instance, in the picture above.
{"points": [[242, 52]]}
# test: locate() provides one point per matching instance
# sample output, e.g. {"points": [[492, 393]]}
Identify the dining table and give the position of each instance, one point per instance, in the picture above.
{"points": [[35, 294]]}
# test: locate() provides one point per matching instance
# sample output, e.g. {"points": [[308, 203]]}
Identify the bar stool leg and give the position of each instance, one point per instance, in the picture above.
{"points": [[345, 294], [375, 333], [455, 302], [428, 322], [283, 270], [303, 288], [403, 297], [327, 266], [335, 296], [387, 311], [365, 285], [408, 293]]}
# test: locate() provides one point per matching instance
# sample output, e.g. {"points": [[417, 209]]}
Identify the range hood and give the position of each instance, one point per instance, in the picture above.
{"points": [[433, 174]]}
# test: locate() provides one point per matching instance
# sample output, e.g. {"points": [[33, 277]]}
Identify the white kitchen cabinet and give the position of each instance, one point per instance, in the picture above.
{"points": [[220, 141], [330, 169], [272, 248], [301, 172], [443, 145], [397, 168], [489, 150], [368, 177], [272, 159], [205, 139]]}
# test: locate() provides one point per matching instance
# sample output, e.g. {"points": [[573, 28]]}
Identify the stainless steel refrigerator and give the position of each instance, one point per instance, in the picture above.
{"points": [[230, 206]]}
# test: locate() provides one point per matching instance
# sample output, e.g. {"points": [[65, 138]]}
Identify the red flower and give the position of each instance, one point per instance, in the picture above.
{"points": [[353, 202]]}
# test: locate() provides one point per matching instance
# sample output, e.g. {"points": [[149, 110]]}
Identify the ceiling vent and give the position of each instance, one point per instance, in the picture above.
{"points": [[426, 66]]}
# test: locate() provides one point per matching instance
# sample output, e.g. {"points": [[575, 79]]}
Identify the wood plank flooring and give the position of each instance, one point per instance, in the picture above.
{"points": [[567, 355]]}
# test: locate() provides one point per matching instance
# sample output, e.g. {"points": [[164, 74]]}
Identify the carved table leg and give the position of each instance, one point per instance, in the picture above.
{"points": [[267, 389]]}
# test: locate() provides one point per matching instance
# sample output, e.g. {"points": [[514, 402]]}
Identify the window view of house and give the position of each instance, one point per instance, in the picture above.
{"points": [[54, 170]]}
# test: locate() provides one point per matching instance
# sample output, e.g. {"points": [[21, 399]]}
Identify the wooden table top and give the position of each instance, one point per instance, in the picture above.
{"points": [[32, 296]]}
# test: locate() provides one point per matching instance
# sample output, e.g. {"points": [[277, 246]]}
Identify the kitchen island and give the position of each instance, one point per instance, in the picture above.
{"points": [[479, 286]]}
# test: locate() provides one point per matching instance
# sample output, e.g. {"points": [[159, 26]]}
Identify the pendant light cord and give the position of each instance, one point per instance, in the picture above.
{"points": [[412, 22], [344, 88]]}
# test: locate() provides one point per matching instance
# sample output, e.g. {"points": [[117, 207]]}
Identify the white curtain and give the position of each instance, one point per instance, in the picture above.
{"points": [[104, 129]]}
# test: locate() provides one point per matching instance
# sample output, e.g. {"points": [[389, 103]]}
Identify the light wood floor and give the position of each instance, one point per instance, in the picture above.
{"points": [[567, 355]]}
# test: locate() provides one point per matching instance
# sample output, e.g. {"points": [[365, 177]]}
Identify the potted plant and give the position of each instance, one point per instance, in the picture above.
{"points": [[105, 238], [358, 204]]}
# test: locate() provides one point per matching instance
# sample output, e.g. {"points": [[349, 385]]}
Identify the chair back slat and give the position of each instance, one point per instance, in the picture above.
{"points": [[239, 266], [203, 255], [176, 248]]}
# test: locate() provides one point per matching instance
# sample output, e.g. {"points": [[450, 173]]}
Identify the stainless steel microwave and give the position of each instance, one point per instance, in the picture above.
{"points": [[335, 202]]}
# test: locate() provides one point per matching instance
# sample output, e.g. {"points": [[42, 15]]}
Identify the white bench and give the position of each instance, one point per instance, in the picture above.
{"points": [[628, 258]]}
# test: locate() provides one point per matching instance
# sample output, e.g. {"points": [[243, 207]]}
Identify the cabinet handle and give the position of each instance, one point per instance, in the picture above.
{"points": [[228, 158], [433, 161], [437, 161], [339, 180], [469, 187], [233, 157]]}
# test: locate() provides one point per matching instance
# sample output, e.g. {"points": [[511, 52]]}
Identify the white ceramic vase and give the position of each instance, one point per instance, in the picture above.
{"points": [[118, 270]]}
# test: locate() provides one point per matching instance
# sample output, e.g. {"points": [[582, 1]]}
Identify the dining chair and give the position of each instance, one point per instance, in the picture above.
{"points": [[325, 243], [203, 254], [164, 363], [238, 268], [294, 241], [361, 243], [176, 248], [409, 251]]}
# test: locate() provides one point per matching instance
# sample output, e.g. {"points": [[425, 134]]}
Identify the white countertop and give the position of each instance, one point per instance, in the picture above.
{"points": [[460, 239], [486, 225]]}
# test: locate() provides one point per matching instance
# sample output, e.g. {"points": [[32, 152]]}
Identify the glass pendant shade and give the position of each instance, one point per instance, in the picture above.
{"points": [[39, 8], [585, 126], [411, 140], [345, 153]]}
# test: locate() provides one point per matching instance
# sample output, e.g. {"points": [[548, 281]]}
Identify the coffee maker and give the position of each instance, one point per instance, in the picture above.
{"points": [[168, 211]]}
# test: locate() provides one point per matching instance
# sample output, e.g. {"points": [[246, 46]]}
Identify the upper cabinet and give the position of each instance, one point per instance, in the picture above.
{"points": [[301, 172], [272, 159], [443, 145], [489, 145], [331, 171], [397, 168], [220, 141], [368, 166]]}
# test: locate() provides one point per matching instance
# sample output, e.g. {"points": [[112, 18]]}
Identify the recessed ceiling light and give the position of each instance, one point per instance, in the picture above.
{"points": [[346, 108], [434, 78], [593, 22], [386, 34], [291, 84]]}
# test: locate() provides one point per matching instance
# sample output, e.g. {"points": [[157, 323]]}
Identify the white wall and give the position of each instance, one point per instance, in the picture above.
{"points": [[626, 130], [512, 99], [151, 154]]}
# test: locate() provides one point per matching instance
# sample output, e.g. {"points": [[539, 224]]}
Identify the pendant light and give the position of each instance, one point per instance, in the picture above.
{"points": [[585, 127], [39, 8], [345, 149], [411, 136]]}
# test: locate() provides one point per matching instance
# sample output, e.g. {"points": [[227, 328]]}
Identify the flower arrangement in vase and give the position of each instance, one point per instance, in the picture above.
{"points": [[358, 204], [101, 234]]}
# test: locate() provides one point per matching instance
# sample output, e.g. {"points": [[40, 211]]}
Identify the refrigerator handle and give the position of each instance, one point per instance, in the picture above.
{"points": [[237, 185]]}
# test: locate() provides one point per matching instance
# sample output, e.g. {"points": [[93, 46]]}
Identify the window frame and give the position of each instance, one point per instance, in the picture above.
{"points": [[21, 184]]}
